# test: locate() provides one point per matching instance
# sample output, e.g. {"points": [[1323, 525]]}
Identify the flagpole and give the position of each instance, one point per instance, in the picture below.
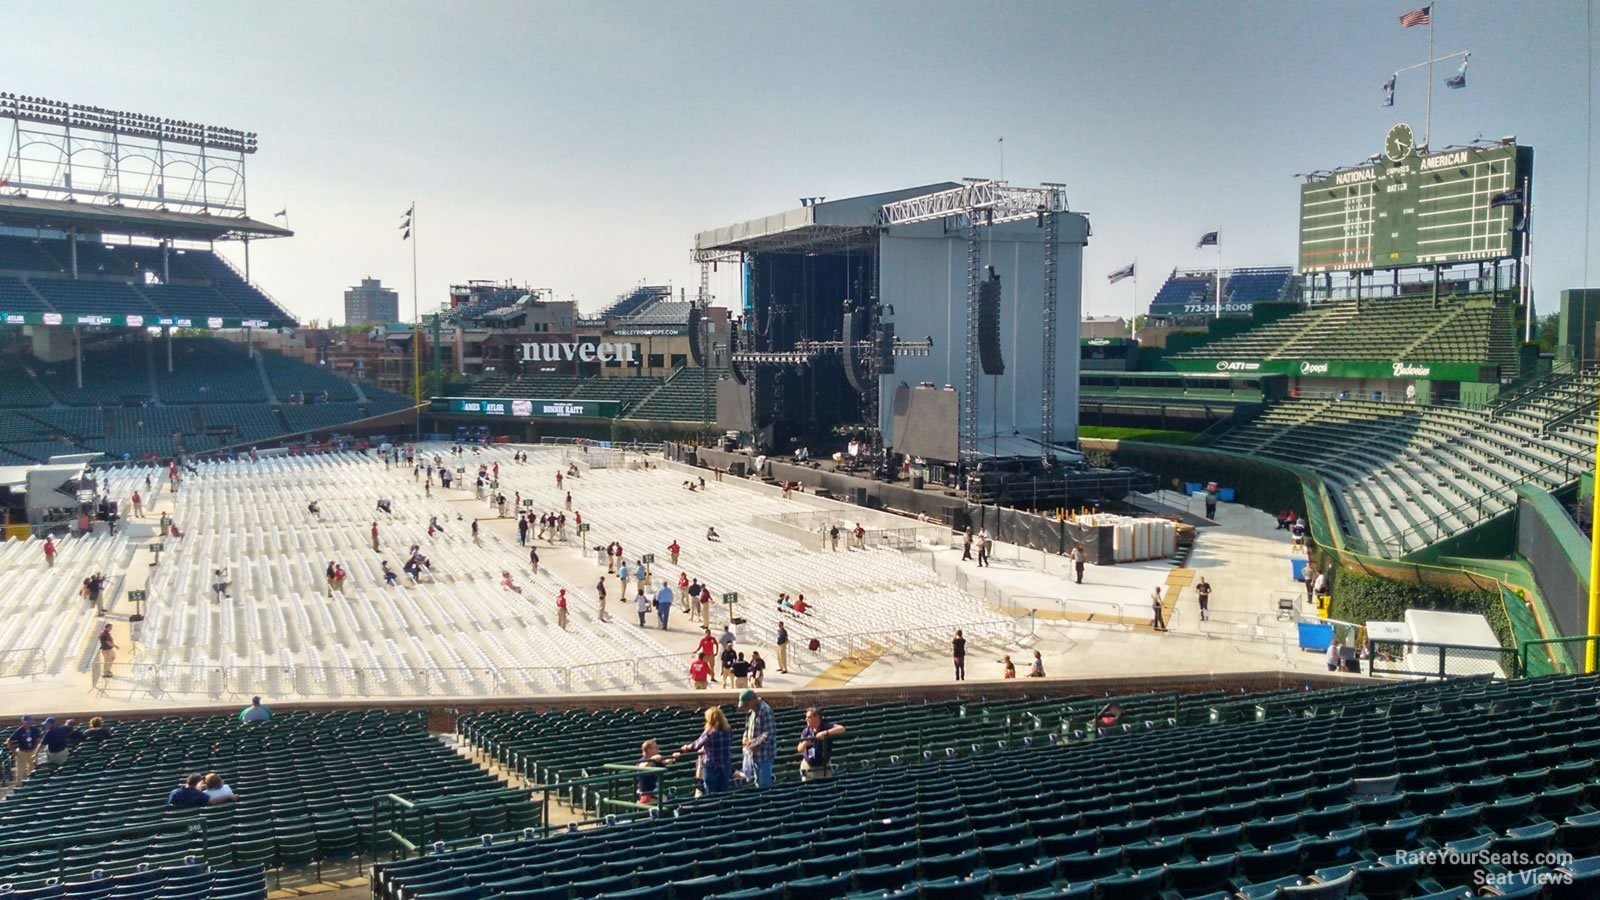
{"points": [[1219, 274], [416, 326], [1133, 328], [1427, 126], [1527, 260]]}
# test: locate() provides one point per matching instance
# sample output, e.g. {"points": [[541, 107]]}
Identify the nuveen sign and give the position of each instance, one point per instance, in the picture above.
{"points": [[582, 351]]}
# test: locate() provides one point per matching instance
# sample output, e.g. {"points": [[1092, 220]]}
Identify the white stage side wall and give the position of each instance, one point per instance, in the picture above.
{"points": [[924, 277]]}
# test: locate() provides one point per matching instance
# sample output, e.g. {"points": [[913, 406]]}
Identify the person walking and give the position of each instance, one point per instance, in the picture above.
{"points": [[714, 765], [983, 548], [966, 548], [23, 744], [782, 641], [138, 505], [1211, 504], [108, 650], [561, 609], [522, 530], [1156, 621], [1078, 559], [663, 603], [699, 672], [49, 552], [673, 550], [1202, 590], [760, 736], [833, 536], [1036, 670], [816, 746], [1309, 576], [958, 651], [695, 597], [375, 537], [623, 573], [642, 604], [758, 669], [708, 644], [729, 657], [683, 592]]}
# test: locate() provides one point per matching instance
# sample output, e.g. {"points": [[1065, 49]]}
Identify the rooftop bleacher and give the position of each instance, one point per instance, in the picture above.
{"points": [[1404, 476], [1252, 285], [665, 312], [1181, 289], [635, 300], [1485, 776], [1454, 330]]}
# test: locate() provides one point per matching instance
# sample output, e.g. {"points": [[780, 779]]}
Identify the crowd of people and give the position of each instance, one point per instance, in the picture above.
{"points": [[712, 750]]}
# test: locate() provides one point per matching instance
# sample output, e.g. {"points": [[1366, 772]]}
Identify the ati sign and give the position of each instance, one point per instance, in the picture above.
{"points": [[581, 351], [1227, 366]]}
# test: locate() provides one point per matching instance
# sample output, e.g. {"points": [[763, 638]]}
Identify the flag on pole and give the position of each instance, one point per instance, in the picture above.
{"points": [[1459, 79], [1416, 17], [1120, 274], [1209, 239], [1388, 91], [1507, 198], [405, 222], [282, 213]]}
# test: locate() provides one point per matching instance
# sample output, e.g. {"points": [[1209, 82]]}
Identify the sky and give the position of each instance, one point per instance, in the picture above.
{"points": [[579, 146]]}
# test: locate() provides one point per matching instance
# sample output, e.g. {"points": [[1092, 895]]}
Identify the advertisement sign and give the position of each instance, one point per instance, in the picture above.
{"points": [[1324, 368], [529, 409]]}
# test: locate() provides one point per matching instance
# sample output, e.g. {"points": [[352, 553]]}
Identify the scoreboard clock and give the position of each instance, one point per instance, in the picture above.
{"points": [[1413, 206]]}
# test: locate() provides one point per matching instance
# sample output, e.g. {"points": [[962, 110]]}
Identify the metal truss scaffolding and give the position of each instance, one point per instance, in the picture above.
{"points": [[982, 202]]}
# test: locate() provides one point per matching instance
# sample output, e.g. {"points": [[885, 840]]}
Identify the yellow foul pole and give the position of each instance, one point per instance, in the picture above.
{"points": [[1594, 558]]}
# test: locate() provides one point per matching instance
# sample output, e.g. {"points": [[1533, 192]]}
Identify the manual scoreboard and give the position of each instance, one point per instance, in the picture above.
{"points": [[1461, 204]]}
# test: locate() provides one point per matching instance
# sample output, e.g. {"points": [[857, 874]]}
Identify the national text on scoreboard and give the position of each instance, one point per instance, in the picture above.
{"points": [[1429, 209]]}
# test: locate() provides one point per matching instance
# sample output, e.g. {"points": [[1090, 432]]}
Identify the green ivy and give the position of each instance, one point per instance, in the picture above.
{"points": [[1363, 598]]}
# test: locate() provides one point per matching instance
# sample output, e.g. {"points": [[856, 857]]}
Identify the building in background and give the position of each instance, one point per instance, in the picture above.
{"points": [[370, 301]]}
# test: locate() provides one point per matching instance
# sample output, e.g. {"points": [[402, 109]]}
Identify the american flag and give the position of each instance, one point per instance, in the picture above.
{"points": [[1416, 17]]}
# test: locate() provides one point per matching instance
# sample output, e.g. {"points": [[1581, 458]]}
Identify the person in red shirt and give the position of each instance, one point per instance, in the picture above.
{"points": [[683, 591], [561, 608], [800, 605], [708, 644], [138, 505], [673, 549], [50, 551], [374, 537], [699, 673]]}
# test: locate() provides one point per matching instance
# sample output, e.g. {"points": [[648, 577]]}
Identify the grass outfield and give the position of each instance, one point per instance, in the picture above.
{"points": [[1148, 435]]}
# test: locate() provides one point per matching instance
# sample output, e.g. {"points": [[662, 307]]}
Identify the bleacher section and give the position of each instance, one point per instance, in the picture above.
{"points": [[635, 301], [665, 312], [687, 396], [85, 297], [115, 280], [1455, 330], [1405, 476], [17, 387], [214, 386], [627, 389], [17, 297], [209, 371], [1180, 290], [290, 377], [1253, 285], [305, 780], [112, 373], [1486, 776], [541, 387]]}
